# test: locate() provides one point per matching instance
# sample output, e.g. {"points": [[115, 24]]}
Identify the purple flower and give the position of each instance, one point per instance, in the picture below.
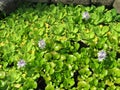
{"points": [[21, 63], [85, 15], [41, 44], [101, 55]]}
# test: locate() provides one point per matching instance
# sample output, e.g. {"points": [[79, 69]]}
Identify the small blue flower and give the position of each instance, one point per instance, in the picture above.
{"points": [[21, 63], [41, 44], [101, 55], [85, 15]]}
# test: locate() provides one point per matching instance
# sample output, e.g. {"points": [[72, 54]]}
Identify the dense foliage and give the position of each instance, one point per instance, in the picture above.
{"points": [[60, 47]]}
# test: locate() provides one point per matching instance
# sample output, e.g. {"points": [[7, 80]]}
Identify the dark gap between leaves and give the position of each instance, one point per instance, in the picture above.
{"points": [[106, 86], [75, 78], [2, 15], [60, 84], [116, 84], [99, 80], [41, 84], [99, 4], [82, 44], [91, 71], [10, 65], [1, 54], [117, 55]]}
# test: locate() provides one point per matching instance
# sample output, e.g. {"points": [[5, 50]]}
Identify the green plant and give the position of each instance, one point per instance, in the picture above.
{"points": [[57, 43]]}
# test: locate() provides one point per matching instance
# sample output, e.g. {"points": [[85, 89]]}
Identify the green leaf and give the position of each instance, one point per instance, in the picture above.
{"points": [[2, 26], [77, 55], [71, 59], [70, 27], [55, 55], [117, 27], [30, 83], [104, 30], [70, 20], [58, 76], [51, 71], [48, 56], [62, 57], [11, 22], [105, 72], [100, 9], [114, 12], [117, 81], [113, 87], [71, 82], [117, 18], [68, 83], [47, 67], [41, 23], [5, 64], [97, 30], [57, 47], [94, 65], [93, 88], [101, 42], [35, 18], [41, 32], [53, 8], [109, 83], [108, 16], [76, 46], [14, 76], [60, 16], [2, 84], [2, 74], [95, 18], [40, 61], [116, 72], [52, 20], [58, 29], [49, 86], [59, 65], [85, 72], [75, 30], [83, 85], [95, 82], [69, 67], [89, 35]]}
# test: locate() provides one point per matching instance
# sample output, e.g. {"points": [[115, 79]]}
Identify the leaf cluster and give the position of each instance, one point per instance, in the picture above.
{"points": [[69, 59]]}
